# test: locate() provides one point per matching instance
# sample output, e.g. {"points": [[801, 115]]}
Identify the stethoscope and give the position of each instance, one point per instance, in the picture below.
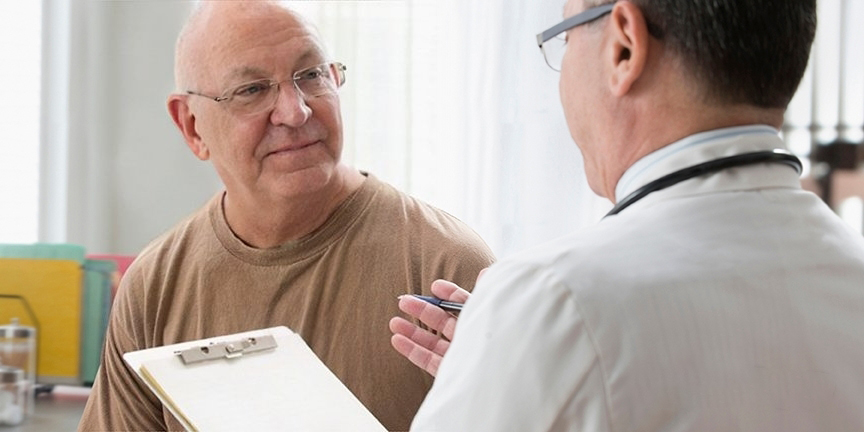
{"points": [[712, 166]]}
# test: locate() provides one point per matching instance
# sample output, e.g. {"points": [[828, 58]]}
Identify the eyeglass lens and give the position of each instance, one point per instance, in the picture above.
{"points": [[255, 97], [553, 51]]}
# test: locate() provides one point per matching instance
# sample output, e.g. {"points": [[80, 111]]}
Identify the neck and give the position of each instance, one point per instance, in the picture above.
{"points": [[269, 222], [649, 132]]}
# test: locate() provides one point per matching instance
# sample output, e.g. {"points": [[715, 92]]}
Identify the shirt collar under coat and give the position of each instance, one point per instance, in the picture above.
{"points": [[703, 147]]}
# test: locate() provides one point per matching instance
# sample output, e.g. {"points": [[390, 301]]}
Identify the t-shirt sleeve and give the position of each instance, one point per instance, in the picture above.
{"points": [[457, 256], [522, 359], [119, 400], [463, 266]]}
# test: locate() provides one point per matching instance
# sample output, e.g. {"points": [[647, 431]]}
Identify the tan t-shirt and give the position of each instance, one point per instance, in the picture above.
{"points": [[336, 287]]}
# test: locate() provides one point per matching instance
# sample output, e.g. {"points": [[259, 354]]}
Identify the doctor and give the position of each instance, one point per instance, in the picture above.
{"points": [[722, 297]]}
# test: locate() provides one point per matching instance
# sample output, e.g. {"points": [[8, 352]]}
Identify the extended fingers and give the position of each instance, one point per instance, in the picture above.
{"points": [[419, 356], [430, 315], [420, 347], [419, 336], [447, 290]]}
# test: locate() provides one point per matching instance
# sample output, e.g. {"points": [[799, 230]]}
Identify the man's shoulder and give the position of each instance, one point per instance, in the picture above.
{"points": [[589, 262], [587, 248], [420, 216]]}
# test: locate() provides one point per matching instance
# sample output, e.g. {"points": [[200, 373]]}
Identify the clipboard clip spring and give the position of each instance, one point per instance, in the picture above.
{"points": [[229, 350]]}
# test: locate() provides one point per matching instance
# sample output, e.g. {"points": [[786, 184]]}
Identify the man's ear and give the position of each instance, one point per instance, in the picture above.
{"points": [[184, 118], [630, 40]]}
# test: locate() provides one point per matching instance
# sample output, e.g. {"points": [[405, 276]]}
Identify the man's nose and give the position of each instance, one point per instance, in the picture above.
{"points": [[290, 108]]}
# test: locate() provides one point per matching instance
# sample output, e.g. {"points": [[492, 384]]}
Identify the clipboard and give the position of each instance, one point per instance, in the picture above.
{"points": [[266, 379]]}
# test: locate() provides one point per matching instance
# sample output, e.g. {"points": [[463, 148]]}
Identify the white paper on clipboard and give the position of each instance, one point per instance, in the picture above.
{"points": [[229, 388]]}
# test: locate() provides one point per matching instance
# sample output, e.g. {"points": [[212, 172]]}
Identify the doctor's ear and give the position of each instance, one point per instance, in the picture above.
{"points": [[629, 48], [184, 118]]}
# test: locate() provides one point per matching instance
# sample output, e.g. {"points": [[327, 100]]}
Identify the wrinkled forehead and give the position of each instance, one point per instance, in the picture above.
{"points": [[238, 43]]}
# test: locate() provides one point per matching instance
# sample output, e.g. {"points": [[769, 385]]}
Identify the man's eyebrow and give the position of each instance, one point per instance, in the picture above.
{"points": [[252, 73], [310, 53], [246, 72]]}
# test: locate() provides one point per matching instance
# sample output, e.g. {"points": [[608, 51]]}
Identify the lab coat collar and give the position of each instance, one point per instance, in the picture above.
{"points": [[706, 146]]}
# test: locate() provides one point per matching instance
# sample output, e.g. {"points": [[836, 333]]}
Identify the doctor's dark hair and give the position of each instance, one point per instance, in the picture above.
{"points": [[742, 51]]}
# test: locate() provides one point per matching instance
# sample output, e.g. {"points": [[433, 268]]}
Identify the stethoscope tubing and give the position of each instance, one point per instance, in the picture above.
{"points": [[712, 166]]}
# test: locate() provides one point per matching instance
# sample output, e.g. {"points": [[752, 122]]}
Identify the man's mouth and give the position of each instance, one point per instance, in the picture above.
{"points": [[293, 148]]}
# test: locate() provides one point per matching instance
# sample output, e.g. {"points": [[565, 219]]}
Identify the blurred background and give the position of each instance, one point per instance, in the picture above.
{"points": [[449, 100]]}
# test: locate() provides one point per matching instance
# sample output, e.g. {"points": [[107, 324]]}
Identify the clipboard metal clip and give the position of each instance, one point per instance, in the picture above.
{"points": [[232, 349]]}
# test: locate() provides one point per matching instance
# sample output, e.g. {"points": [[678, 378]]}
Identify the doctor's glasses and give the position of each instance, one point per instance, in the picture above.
{"points": [[553, 42]]}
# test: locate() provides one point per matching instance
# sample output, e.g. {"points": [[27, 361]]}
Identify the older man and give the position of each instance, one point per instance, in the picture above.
{"points": [[716, 295], [297, 238]]}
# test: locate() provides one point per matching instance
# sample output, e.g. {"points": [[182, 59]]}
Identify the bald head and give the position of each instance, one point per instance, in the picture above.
{"points": [[218, 30]]}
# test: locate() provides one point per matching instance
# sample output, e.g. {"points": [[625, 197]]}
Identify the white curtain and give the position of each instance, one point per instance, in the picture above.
{"points": [[19, 120], [451, 101]]}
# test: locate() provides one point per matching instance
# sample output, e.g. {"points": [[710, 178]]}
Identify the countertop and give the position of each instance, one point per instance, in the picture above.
{"points": [[60, 410]]}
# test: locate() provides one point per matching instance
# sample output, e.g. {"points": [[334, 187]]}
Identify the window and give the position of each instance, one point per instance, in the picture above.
{"points": [[829, 104], [20, 28]]}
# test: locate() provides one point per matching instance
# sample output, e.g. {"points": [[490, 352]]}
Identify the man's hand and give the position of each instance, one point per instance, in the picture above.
{"points": [[422, 347]]}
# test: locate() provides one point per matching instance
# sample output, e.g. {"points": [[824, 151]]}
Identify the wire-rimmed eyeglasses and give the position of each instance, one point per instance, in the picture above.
{"points": [[260, 95], [553, 44]]}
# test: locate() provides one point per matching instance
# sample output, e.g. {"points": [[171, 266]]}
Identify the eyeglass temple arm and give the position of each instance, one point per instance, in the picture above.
{"points": [[340, 72], [580, 18], [215, 98]]}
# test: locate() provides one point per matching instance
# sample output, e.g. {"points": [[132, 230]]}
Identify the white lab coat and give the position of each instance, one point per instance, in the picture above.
{"points": [[732, 302]]}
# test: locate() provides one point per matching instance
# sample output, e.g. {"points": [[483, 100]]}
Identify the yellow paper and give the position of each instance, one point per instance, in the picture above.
{"points": [[53, 288]]}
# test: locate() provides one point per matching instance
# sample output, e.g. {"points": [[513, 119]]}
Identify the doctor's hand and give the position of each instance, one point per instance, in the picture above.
{"points": [[422, 347]]}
